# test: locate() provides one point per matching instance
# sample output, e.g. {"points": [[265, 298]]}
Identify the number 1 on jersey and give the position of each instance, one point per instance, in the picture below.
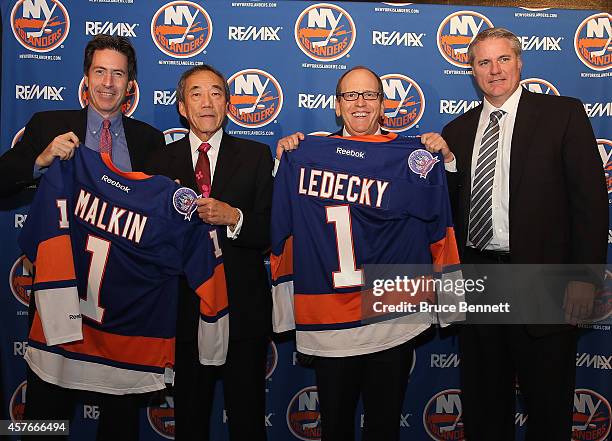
{"points": [[99, 249], [348, 275]]}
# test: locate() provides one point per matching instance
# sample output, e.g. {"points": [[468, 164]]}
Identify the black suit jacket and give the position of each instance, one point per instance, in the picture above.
{"points": [[242, 179], [17, 164], [558, 207]]}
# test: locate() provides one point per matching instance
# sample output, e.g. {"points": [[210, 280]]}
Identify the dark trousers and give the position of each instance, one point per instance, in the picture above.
{"points": [[243, 376], [493, 356], [119, 414], [380, 378]]}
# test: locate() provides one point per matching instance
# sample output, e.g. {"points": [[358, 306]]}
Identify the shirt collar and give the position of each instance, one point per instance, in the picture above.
{"points": [[214, 141], [345, 133], [509, 107], [94, 121]]}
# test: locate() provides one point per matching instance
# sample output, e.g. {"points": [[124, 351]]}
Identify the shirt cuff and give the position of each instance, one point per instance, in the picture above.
{"points": [[451, 166], [38, 171], [276, 164], [234, 234]]}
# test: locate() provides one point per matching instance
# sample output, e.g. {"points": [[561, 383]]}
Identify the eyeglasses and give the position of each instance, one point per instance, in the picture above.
{"points": [[353, 96]]}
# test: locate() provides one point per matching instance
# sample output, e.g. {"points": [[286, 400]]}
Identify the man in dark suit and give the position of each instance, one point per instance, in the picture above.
{"points": [[527, 187], [110, 71], [234, 177]]}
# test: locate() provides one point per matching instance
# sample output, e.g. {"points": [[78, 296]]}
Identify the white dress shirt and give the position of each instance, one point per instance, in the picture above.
{"points": [[501, 180], [213, 154]]}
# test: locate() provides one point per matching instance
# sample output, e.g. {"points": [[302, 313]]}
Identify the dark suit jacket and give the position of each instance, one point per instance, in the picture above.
{"points": [[17, 164], [242, 179], [558, 208]]}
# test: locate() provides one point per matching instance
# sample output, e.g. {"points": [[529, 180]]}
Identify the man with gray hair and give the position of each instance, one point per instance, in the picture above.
{"points": [[527, 187], [234, 177]]}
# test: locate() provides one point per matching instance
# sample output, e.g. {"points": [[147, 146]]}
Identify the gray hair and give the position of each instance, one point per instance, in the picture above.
{"points": [[180, 88], [515, 43]]}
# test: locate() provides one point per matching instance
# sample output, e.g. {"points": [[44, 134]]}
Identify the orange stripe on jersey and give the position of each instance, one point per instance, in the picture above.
{"points": [[54, 260], [144, 351], [135, 176], [36, 331], [369, 138], [327, 308], [213, 293], [282, 265], [444, 252]]}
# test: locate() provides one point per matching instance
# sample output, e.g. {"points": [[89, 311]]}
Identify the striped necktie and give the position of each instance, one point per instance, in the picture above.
{"points": [[481, 208]]}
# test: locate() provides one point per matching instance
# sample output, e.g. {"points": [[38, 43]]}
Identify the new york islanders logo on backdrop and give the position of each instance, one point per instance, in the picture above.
{"points": [[160, 413], [442, 416], [455, 34], [127, 108], [325, 32], [256, 98], [20, 280], [40, 25], [181, 29], [174, 134], [404, 102], [593, 41], [591, 419], [17, 404], [605, 151], [303, 415], [538, 85]]}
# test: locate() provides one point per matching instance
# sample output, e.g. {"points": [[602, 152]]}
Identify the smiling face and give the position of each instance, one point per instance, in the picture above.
{"points": [[205, 104], [361, 117], [107, 81], [497, 69]]}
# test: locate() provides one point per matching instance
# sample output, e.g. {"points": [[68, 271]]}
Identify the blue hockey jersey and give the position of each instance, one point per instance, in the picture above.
{"points": [[342, 203], [108, 248]]}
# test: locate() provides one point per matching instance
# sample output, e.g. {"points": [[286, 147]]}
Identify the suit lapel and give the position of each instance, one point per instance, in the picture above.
{"points": [[227, 161], [79, 125], [131, 138], [464, 161], [183, 164], [524, 126]]}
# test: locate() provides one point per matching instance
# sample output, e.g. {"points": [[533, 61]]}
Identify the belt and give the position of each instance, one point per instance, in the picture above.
{"points": [[494, 255]]}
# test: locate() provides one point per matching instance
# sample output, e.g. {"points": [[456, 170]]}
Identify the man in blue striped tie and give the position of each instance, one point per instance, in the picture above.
{"points": [[527, 187]]}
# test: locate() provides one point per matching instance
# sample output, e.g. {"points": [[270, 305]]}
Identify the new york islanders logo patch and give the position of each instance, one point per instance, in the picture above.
{"points": [[455, 34], [183, 201], [593, 41], [421, 162], [40, 25], [181, 29], [404, 102], [325, 32], [256, 98]]}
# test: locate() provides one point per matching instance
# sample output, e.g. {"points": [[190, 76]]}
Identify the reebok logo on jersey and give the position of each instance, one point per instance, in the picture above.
{"points": [[117, 184], [350, 152]]}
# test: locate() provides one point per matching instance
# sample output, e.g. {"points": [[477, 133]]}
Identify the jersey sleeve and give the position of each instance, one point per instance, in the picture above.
{"points": [[281, 258], [45, 240], [203, 266]]}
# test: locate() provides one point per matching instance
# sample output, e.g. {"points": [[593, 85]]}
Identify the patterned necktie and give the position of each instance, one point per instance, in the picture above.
{"points": [[202, 170], [481, 208], [106, 141]]}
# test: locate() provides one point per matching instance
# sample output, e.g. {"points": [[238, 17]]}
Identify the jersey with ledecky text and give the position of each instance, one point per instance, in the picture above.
{"points": [[342, 203], [108, 248]]}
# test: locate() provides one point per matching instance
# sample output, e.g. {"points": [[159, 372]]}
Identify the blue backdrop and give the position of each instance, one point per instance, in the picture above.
{"points": [[282, 60]]}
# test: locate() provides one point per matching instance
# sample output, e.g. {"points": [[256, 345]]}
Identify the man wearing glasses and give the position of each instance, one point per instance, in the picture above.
{"points": [[380, 376]]}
